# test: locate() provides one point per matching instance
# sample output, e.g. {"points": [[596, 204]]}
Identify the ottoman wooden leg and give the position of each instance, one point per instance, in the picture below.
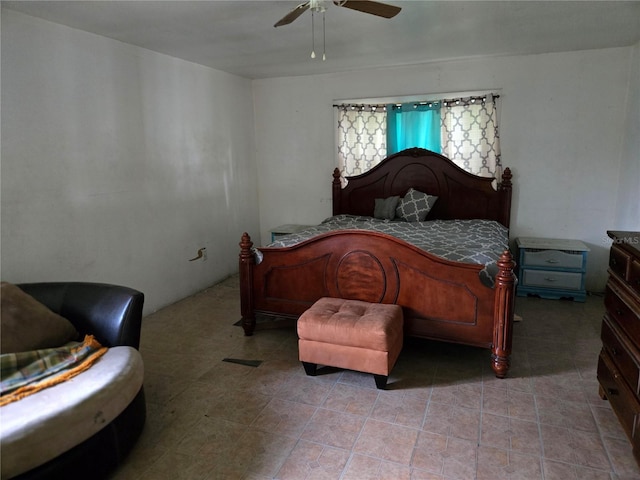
{"points": [[381, 381], [310, 368]]}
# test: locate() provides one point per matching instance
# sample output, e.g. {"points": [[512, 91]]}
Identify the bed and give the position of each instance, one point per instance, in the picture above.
{"points": [[467, 302]]}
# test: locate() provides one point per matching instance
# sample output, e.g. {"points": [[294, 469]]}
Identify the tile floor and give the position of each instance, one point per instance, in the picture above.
{"points": [[445, 416]]}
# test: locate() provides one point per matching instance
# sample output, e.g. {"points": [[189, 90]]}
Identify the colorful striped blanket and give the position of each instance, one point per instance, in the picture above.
{"points": [[25, 373]]}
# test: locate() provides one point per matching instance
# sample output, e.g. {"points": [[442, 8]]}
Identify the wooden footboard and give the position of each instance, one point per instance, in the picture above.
{"points": [[441, 299]]}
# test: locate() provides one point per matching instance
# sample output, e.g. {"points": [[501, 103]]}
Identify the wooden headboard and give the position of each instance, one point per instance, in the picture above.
{"points": [[461, 195]]}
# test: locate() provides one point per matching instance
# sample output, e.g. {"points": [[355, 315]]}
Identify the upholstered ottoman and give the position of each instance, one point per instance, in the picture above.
{"points": [[351, 334]]}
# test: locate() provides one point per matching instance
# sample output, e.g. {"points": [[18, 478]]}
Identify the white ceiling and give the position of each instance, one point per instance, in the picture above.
{"points": [[239, 36]]}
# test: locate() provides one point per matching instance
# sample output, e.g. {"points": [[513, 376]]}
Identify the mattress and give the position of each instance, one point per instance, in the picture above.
{"points": [[46, 424], [468, 241]]}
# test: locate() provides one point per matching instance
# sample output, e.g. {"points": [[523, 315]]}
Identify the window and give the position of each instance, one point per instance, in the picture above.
{"points": [[462, 129], [413, 125]]}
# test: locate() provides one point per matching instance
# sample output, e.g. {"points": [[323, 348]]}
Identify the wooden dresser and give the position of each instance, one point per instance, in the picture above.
{"points": [[619, 361]]}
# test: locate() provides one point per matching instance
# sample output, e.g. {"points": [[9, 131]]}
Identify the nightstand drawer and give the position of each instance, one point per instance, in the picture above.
{"points": [[552, 259], [615, 346], [551, 279]]}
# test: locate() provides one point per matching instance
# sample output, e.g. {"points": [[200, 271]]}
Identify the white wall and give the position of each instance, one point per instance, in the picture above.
{"points": [[118, 163], [562, 126], [628, 206]]}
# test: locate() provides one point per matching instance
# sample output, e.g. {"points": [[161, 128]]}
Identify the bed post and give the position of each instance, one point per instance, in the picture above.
{"points": [[335, 191], [247, 261], [503, 315], [505, 197]]}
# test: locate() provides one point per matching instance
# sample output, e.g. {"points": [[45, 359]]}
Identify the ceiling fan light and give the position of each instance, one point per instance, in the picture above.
{"points": [[317, 6]]}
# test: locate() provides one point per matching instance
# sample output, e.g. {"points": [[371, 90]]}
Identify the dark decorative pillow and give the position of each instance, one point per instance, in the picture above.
{"points": [[27, 325], [385, 208], [415, 206]]}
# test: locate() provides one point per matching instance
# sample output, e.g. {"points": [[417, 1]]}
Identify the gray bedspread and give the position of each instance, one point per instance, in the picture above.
{"points": [[468, 241]]}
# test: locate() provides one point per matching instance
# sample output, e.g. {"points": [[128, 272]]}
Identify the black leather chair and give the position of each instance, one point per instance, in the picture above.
{"points": [[113, 314]]}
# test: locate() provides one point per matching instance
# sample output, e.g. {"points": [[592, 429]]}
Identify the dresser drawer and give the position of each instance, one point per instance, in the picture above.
{"points": [[625, 317], [635, 440], [619, 351], [622, 400], [552, 259], [619, 262], [552, 279], [619, 361], [634, 275]]}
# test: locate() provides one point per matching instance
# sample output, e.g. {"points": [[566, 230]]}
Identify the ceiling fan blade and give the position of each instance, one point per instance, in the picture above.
{"points": [[293, 14], [374, 8]]}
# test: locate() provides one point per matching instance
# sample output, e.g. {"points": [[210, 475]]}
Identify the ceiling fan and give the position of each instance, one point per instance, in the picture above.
{"points": [[366, 6]]}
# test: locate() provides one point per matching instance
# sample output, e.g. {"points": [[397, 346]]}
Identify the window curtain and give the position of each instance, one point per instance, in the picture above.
{"points": [[462, 129], [470, 134], [361, 138], [413, 125]]}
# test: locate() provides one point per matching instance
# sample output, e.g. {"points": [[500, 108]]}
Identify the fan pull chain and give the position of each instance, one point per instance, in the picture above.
{"points": [[313, 32], [313, 35], [324, 40]]}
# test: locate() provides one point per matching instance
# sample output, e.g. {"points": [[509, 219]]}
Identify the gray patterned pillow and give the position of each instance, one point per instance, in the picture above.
{"points": [[415, 206], [385, 208]]}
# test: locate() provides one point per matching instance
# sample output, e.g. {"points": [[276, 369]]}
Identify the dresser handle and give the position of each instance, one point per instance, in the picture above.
{"points": [[552, 260], [612, 391], [613, 262], [550, 279], [614, 351], [619, 312]]}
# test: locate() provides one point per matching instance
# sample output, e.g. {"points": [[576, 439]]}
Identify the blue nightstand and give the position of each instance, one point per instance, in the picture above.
{"points": [[552, 268]]}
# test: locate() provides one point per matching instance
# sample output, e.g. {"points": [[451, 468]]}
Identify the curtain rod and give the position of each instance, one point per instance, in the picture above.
{"points": [[445, 102]]}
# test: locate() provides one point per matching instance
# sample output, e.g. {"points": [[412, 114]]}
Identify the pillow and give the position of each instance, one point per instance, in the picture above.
{"points": [[415, 206], [26, 324], [385, 208]]}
